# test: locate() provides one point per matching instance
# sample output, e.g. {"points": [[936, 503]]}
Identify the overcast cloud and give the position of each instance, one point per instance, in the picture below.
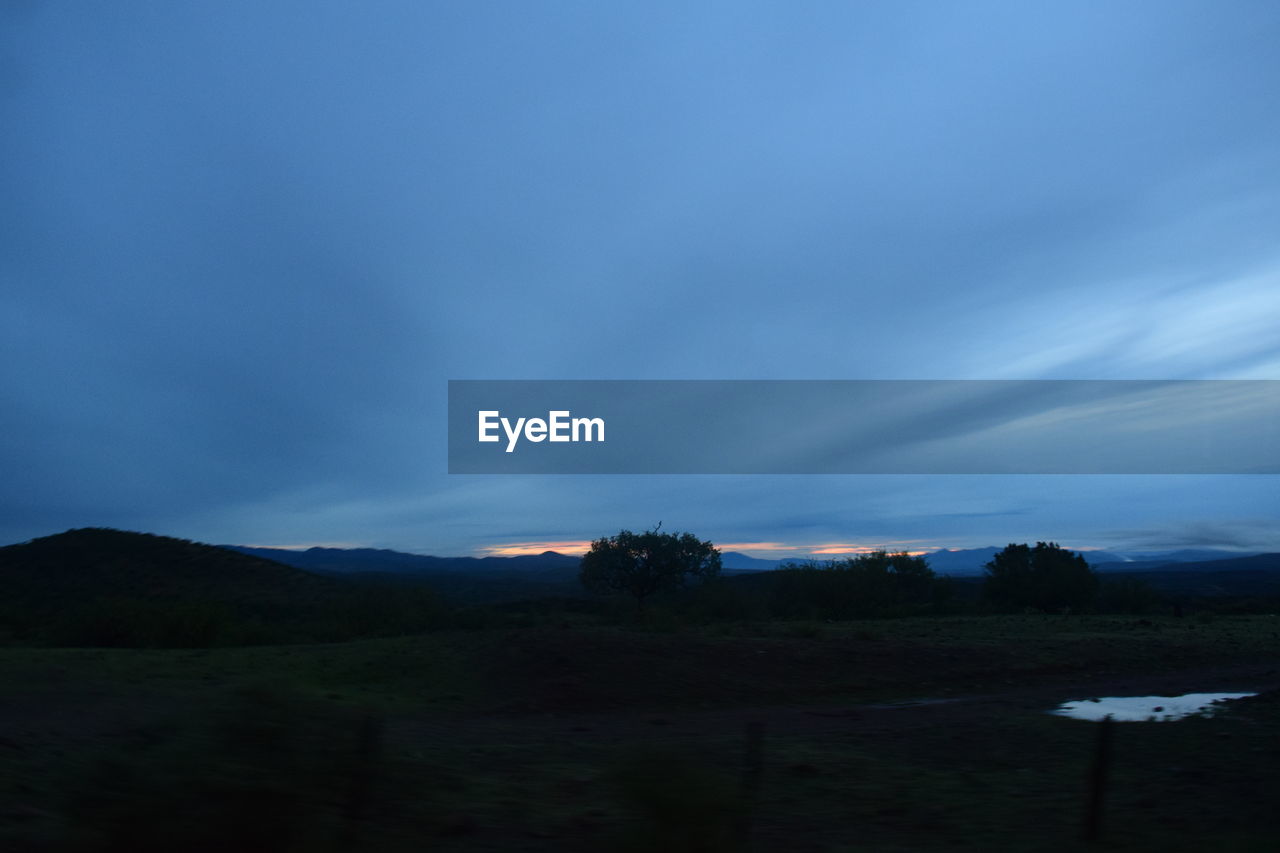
{"points": [[243, 247]]}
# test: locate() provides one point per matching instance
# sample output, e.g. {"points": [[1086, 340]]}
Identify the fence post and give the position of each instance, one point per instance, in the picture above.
{"points": [[1098, 780], [363, 769], [752, 761]]}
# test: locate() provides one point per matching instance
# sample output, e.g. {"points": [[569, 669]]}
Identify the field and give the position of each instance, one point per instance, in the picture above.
{"points": [[555, 734]]}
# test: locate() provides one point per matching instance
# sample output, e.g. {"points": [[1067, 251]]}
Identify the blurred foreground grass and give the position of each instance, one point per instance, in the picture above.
{"points": [[560, 737]]}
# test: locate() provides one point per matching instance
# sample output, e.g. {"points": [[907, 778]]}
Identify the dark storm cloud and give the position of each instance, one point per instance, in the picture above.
{"points": [[1240, 535], [243, 246]]}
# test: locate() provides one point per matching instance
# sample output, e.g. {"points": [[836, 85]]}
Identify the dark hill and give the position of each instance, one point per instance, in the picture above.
{"points": [[97, 586], [93, 561], [1255, 577]]}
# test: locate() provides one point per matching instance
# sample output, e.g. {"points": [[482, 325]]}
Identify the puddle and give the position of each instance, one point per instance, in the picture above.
{"points": [[1129, 709]]}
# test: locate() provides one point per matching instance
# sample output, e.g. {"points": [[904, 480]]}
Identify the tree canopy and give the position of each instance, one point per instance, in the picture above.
{"points": [[876, 583], [1046, 577], [641, 564]]}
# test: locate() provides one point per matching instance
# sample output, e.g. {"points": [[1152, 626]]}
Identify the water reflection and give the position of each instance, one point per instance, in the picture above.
{"points": [[1129, 709]]}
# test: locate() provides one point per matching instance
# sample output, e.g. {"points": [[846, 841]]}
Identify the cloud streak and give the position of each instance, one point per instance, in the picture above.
{"points": [[243, 248]]}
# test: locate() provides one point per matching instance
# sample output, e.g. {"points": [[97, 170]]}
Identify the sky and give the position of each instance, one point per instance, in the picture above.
{"points": [[244, 247]]}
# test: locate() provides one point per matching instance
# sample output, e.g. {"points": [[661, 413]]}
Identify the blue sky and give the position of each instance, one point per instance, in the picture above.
{"points": [[243, 247]]}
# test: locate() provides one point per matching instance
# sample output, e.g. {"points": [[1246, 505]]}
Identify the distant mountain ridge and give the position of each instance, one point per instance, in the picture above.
{"points": [[557, 567], [97, 586], [971, 561], [1250, 563], [548, 564], [964, 561], [560, 569], [1188, 555], [737, 561]]}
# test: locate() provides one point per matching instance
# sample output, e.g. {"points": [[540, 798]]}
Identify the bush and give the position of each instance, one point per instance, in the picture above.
{"points": [[875, 584], [1045, 578]]}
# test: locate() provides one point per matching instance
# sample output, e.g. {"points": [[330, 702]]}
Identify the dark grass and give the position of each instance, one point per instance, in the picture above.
{"points": [[581, 737]]}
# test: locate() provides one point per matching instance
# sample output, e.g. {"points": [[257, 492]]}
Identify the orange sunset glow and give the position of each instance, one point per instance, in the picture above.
{"points": [[520, 549], [894, 546], [763, 550]]}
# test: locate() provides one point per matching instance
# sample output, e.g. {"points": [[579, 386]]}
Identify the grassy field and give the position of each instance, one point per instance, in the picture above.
{"points": [[907, 734]]}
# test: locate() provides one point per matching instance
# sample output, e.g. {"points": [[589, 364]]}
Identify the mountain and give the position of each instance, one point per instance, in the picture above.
{"points": [[1269, 563], [972, 561], [549, 565], [92, 562], [104, 587], [469, 578], [959, 562], [461, 580], [554, 567], [1253, 577], [1096, 558], [735, 561], [1186, 555], [962, 561]]}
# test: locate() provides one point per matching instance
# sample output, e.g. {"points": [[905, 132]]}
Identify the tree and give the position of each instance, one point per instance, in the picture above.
{"points": [[1046, 577], [903, 578], [876, 583], [641, 564]]}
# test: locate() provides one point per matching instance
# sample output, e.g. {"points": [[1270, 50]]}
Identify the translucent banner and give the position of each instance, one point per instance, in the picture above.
{"points": [[864, 427]]}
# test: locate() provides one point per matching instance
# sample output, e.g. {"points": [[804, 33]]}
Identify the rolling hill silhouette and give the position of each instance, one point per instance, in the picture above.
{"points": [[99, 586], [92, 562]]}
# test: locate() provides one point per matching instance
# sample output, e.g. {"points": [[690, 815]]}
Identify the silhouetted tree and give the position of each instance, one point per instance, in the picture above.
{"points": [[909, 578], [1046, 577], [862, 585], [641, 564]]}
